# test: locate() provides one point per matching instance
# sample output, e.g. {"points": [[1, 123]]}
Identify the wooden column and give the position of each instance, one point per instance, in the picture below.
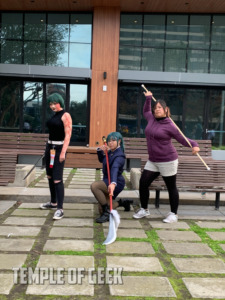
{"points": [[105, 57]]}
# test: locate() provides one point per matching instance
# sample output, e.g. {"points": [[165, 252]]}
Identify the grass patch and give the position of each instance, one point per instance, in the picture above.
{"points": [[201, 232]]}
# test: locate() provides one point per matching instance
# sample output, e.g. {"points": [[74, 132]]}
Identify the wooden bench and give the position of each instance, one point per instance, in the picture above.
{"points": [[82, 157], [193, 176], [136, 148], [7, 168], [13, 144]]}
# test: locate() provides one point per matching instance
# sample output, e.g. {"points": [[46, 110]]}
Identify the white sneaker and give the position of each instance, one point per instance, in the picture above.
{"points": [[171, 218], [141, 213]]}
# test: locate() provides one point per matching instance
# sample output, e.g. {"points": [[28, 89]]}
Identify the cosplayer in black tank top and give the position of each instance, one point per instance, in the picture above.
{"points": [[56, 127]]}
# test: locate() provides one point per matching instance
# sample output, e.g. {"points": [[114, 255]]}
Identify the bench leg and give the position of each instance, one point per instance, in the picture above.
{"points": [[128, 164], [217, 202], [157, 196]]}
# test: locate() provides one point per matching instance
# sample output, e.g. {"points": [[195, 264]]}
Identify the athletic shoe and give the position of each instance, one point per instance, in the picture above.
{"points": [[48, 205], [171, 218], [141, 213], [58, 214]]}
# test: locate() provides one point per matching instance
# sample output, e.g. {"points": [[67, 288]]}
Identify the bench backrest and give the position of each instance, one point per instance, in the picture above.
{"points": [[139, 146], [21, 140]]}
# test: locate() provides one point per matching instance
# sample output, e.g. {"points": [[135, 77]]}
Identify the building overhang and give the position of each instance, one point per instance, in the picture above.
{"points": [[176, 78], [33, 71], [145, 6]]}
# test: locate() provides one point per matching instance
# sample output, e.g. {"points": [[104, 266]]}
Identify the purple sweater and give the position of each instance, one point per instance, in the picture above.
{"points": [[159, 134]]}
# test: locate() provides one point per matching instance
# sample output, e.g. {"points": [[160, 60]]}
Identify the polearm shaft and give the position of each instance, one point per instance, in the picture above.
{"points": [[34, 166], [202, 160]]}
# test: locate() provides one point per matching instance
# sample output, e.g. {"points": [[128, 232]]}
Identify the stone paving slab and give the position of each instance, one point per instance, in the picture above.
{"points": [[9, 261], [173, 235], [130, 247], [143, 286], [134, 264], [80, 186], [69, 232], [41, 184], [74, 222], [65, 261], [68, 245], [215, 225], [203, 218], [178, 225], [6, 283], [216, 236], [5, 205], [30, 212], [24, 221], [79, 213], [19, 231], [222, 246], [199, 265], [16, 244], [66, 289], [206, 287], [82, 206], [187, 248], [128, 233], [126, 224]]}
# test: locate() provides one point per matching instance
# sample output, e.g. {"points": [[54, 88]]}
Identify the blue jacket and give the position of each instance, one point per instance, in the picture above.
{"points": [[116, 163]]}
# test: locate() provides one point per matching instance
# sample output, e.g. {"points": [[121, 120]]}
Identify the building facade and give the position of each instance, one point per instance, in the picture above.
{"points": [[97, 54]]}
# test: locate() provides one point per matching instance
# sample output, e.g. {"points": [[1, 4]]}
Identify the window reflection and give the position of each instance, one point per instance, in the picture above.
{"points": [[80, 55], [58, 27], [57, 54], [9, 105], [34, 53], [12, 25], [35, 26], [78, 111], [32, 106]]}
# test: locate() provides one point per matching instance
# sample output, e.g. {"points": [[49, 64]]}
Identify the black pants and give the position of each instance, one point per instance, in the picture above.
{"points": [[147, 178]]}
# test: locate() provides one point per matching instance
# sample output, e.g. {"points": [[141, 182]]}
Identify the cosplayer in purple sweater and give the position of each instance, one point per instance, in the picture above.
{"points": [[163, 157], [159, 134]]}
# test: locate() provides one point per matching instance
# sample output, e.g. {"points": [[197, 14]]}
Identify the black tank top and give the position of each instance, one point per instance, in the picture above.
{"points": [[56, 127]]}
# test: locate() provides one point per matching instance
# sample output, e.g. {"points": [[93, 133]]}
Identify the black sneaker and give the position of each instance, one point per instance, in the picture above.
{"points": [[125, 203], [48, 205], [58, 214]]}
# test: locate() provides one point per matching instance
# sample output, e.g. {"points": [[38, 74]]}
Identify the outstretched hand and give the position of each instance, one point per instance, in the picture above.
{"points": [[195, 150]]}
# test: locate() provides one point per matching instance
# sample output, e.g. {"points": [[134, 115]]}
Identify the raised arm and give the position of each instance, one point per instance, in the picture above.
{"points": [[147, 109], [67, 121]]}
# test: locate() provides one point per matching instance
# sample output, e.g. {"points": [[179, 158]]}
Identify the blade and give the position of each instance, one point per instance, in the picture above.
{"points": [[111, 237]]}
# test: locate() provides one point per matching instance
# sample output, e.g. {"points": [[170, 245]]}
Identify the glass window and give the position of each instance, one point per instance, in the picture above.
{"points": [[199, 32], [154, 30], [80, 55], [12, 25], [34, 53], [177, 31], [81, 28], [217, 62], [175, 60], [78, 111], [218, 32], [57, 54], [9, 105], [58, 27], [194, 112], [32, 107], [216, 120], [35, 26], [152, 59], [131, 30], [130, 58], [198, 61], [11, 52], [129, 110]]}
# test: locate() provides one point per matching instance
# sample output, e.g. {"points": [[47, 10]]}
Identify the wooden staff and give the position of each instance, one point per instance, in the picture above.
{"points": [[207, 167]]}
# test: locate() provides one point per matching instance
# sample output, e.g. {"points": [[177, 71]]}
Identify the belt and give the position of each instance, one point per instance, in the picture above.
{"points": [[55, 142]]}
